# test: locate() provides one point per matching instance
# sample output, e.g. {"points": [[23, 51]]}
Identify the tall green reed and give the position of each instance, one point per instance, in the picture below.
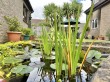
{"points": [[47, 42], [66, 45]]}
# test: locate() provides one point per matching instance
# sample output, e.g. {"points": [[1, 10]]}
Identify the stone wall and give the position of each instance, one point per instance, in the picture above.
{"points": [[105, 19], [10, 8], [95, 31], [103, 73], [103, 47]]}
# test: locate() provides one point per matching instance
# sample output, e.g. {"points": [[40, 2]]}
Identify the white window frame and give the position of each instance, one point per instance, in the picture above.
{"points": [[93, 26], [95, 1]]}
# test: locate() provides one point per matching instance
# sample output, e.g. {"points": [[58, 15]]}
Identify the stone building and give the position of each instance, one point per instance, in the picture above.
{"points": [[100, 20], [21, 9]]}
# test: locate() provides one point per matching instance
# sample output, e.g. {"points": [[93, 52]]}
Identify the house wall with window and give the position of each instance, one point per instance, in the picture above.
{"points": [[101, 13], [11, 8], [95, 24]]}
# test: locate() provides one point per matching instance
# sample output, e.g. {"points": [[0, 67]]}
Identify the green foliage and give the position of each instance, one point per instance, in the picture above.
{"points": [[21, 69], [49, 13], [46, 42], [66, 9], [93, 54], [13, 48], [64, 66], [71, 9], [65, 45], [108, 34], [27, 31], [11, 60], [74, 8], [8, 51], [13, 23]]}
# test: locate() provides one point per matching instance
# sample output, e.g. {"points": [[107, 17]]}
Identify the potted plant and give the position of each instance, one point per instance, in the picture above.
{"points": [[14, 33], [32, 35], [26, 33]]}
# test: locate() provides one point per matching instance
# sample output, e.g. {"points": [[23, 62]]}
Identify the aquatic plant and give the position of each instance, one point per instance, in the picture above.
{"points": [[66, 46], [47, 43]]}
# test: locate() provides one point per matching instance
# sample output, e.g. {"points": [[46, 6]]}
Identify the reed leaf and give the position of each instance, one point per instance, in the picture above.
{"points": [[46, 42], [78, 52]]}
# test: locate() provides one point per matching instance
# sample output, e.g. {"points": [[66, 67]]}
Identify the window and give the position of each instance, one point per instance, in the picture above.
{"points": [[95, 1], [94, 24], [26, 14]]}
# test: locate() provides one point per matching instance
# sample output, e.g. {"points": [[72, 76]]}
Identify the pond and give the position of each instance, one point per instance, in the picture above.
{"points": [[44, 73], [32, 66]]}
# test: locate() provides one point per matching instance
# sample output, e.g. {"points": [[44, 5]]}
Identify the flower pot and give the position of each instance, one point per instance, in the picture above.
{"points": [[26, 37], [14, 36], [101, 38], [32, 37], [2, 80]]}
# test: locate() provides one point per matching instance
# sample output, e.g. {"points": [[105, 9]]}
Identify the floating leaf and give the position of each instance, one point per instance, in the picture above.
{"points": [[93, 53], [10, 60], [53, 66], [21, 69]]}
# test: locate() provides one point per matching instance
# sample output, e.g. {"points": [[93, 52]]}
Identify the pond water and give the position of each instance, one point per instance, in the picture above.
{"points": [[43, 73]]}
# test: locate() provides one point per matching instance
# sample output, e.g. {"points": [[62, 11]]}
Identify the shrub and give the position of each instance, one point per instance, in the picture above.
{"points": [[13, 23], [26, 31]]}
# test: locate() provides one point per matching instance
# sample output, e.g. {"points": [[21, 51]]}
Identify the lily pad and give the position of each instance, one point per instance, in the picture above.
{"points": [[21, 69], [93, 54], [37, 64], [64, 66], [11, 60], [23, 57]]}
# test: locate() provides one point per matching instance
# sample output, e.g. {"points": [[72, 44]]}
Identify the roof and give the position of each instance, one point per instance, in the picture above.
{"points": [[98, 5], [72, 22], [29, 5], [37, 21]]}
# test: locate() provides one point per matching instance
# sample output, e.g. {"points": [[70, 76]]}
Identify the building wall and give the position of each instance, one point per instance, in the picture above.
{"points": [[10, 8], [105, 20], [95, 31]]}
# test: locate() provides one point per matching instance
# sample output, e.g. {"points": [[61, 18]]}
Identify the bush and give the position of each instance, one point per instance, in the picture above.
{"points": [[13, 23], [26, 31]]}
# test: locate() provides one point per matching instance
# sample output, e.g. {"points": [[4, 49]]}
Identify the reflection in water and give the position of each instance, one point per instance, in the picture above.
{"points": [[43, 73]]}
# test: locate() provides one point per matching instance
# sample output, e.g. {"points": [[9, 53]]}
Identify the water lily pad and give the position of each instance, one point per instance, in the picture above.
{"points": [[37, 64], [10, 60], [53, 66], [21, 69], [22, 57], [93, 54]]}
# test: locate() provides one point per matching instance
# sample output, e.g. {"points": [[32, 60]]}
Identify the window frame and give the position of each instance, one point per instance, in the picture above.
{"points": [[26, 17], [94, 24]]}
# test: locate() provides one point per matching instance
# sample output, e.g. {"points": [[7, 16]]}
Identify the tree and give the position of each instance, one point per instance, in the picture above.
{"points": [[71, 9], [49, 11], [75, 6], [66, 10]]}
